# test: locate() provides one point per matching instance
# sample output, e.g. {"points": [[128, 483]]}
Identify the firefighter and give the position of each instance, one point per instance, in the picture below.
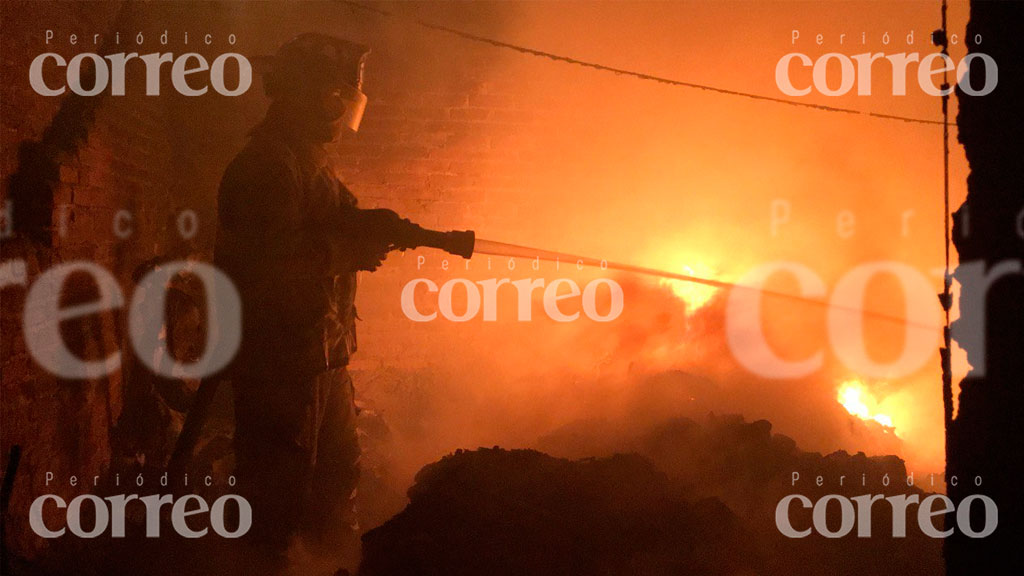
{"points": [[292, 238]]}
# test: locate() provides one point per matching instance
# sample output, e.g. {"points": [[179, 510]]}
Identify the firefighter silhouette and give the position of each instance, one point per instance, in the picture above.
{"points": [[290, 235]]}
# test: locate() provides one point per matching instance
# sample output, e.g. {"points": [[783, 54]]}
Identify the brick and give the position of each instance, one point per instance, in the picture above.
{"points": [[470, 114], [64, 193], [92, 196], [68, 174], [493, 100], [444, 99], [427, 113]]}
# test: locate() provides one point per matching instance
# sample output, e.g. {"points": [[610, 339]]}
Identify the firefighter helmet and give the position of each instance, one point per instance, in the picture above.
{"points": [[321, 61]]}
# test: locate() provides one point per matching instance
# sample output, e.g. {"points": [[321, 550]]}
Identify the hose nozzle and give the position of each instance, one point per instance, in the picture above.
{"points": [[457, 242]]}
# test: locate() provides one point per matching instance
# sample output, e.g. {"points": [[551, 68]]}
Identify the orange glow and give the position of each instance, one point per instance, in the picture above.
{"points": [[858, 401], [674, 179], [694, 295]]}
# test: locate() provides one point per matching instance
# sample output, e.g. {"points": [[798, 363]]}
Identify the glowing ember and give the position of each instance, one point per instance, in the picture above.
{"points": [[695, 295], [858, 401]]}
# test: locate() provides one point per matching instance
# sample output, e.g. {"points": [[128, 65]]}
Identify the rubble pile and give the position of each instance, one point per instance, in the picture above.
{"points": [[673, 497], [750, 469], [496, 512]]}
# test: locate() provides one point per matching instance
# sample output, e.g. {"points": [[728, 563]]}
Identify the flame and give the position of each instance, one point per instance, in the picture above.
{"points": [[858, 401], [693, 294]]}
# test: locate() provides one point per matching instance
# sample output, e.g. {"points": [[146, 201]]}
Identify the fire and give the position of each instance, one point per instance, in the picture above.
{"points": [[858, 401], [694, 295]]}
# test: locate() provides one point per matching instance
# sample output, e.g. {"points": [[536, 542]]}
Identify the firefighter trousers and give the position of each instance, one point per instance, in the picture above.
{"points": [[297, 462]]}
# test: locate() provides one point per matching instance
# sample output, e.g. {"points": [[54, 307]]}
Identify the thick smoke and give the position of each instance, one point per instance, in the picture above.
{"points": [[643, 173]]}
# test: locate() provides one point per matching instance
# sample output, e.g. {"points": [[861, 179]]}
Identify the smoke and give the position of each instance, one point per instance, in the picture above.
{"points": [[590, 163], [520, 382]]}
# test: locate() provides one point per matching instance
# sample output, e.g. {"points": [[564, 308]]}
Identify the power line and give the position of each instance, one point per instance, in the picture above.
{"points": [[632, 73]]}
